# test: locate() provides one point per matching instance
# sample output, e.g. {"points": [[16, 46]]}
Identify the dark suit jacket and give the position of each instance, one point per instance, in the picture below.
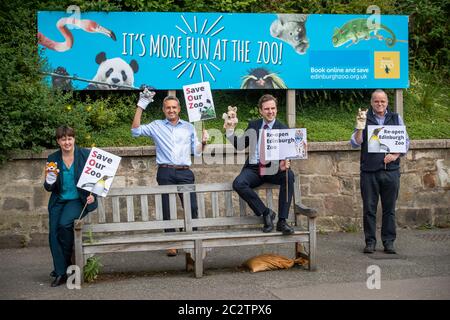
{"points": [[80, 157], [250, 138]]}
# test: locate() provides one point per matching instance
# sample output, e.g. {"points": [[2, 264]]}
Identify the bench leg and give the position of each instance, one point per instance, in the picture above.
{"points": [[312, 244], [198, 255], [79, 256]]}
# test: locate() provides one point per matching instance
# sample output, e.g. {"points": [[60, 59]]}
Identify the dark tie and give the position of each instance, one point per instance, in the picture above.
{"points": [[262, 152]]}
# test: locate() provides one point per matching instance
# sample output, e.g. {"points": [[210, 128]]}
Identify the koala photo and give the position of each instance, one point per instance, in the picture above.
{"points": [[291, 28]]}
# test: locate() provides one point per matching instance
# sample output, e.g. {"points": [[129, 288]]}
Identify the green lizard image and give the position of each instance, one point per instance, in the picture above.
{"points": [[357, 29]]}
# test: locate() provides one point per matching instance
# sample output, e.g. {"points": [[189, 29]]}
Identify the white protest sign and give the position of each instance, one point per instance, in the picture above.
{"points": [[281, 144], [199, 102], [386, 139], [98, 172]]}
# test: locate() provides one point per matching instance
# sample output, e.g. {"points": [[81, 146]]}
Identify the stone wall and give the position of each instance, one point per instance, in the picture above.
{"points": [[329, 182]]}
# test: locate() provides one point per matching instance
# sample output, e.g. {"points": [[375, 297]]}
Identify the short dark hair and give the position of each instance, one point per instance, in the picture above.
{"points": [[64, 131], [265, 98]]}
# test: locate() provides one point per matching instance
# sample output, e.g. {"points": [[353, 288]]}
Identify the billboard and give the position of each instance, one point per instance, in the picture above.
{"points": [[167, 50]]}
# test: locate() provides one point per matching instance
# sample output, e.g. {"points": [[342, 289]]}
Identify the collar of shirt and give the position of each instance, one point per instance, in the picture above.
{"points": [[166, 121], [380, 119]]}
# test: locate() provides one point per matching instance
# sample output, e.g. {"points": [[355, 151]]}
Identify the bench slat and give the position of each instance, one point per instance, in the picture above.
{"points": [[269, 198], [132, 247], [88, 219], [144, 207], [187, 211], [205, 235], [215, 204], [134, 226], [173, 206], [229, 211], [130, 208], [202, 187], [254, 240], [242, 207], [158, 207], [116, 209], [201, 205], [101, 210]]}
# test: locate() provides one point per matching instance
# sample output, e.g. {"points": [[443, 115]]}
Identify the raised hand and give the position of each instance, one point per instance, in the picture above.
{"points": [[230, 118], [145, 98], [361, 119]]}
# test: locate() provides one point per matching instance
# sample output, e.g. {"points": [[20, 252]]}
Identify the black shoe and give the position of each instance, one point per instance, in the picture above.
{"points": [[284, 227], [53, 274], [59, 280], [268, 221], [389, 248], [370, 248]]}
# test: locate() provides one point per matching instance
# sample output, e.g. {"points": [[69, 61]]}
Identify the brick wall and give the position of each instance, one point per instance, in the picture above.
{"points": [[329, 182]]}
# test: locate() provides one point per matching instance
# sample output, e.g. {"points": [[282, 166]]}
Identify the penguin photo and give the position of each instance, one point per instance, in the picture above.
{"points": [[374, 144], [99, 187]]}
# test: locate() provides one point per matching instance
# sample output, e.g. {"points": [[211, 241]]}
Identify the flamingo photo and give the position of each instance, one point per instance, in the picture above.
{"points": [[87, 25]]}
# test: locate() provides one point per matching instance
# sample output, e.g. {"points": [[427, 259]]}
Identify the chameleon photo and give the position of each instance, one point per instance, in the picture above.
{"points": [[358, 29]]}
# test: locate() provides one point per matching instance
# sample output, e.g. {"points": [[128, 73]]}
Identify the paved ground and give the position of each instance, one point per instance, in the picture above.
{"points": [[420, 270]]}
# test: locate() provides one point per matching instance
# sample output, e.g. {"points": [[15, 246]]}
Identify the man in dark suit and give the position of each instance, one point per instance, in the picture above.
{"points": [[257, 171]]}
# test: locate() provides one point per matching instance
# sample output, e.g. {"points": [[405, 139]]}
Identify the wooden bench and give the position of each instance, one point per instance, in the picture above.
{"points": [[130, 219]]}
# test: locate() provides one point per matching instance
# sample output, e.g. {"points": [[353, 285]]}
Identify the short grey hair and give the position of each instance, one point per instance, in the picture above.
{"points": [[379, 91], [171, 98]]}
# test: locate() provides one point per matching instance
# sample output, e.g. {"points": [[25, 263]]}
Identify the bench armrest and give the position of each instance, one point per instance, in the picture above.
{"points": [[300, 208], [78, 224]]}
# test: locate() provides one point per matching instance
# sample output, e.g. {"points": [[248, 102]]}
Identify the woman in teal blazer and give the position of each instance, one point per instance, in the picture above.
{"points": [[64, 168]]}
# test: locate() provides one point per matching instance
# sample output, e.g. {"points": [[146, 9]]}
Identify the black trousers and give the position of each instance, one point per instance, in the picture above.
{"points": [[166, 176], [249, 178], [377, 185]]}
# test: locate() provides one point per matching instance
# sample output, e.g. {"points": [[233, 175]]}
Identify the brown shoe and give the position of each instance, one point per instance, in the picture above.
{"points": [[171, 252]]}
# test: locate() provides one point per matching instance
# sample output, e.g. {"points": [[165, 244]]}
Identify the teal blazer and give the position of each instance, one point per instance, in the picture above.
{"points": [[80, 157]]}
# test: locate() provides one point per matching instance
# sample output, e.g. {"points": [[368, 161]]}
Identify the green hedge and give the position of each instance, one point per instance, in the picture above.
{"points": [[30, 110]]}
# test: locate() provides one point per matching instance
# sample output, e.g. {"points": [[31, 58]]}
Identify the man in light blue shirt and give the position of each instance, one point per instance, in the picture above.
{"points": [[175, 140]]}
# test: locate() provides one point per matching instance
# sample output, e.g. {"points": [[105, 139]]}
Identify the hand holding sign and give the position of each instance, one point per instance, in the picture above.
{"points": [[205, 136]]}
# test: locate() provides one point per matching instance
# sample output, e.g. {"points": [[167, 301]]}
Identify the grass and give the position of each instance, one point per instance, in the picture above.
{"points": [[326, 118]]}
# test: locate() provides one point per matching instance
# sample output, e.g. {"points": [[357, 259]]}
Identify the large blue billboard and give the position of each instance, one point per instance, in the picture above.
{"points": [[166, 50]]}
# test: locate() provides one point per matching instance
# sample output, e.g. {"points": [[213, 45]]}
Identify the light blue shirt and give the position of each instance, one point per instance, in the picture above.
{"points": [[174, 143], [255, 157], [380, 121]]}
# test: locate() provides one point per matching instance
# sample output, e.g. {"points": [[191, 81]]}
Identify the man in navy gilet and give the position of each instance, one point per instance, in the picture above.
{"points": [[380, 174]]}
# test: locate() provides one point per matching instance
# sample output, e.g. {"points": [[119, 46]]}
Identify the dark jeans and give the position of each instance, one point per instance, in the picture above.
{"points": [[61, 218], [249, 178], [382, 185], [166, 176]]}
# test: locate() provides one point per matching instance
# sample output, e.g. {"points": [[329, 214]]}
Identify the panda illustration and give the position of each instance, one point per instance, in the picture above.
{"points": [[113, 73]]}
